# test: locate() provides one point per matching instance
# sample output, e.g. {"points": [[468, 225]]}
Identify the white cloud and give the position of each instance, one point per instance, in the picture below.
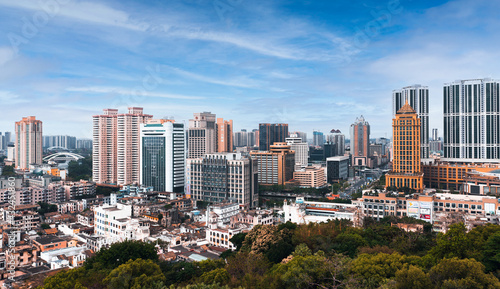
{"points": [[131, 92]]}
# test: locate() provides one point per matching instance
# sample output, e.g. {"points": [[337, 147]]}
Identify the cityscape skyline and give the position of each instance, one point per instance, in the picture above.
{"points": [[317, 69]]}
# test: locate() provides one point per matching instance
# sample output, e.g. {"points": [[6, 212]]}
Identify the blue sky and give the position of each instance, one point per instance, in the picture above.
{"points": [[312, 64]]}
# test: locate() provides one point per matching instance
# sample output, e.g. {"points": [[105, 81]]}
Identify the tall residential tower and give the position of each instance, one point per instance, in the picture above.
{"points": [[28, 143], [472, 120], [418, 98]]}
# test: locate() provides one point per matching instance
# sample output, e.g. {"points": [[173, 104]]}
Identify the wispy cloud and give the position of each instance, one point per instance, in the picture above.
{"points": [[131, 92]]}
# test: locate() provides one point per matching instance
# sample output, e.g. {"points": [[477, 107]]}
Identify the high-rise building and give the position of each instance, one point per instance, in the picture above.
{"points": [[28, 142], [6, 139], [3, 146], [276, 166], [435, 134], [472, 120], [360, 141], [337, 168], [406, 166], [224, 135], [240, 138], [224, 177], [202, 133], [84, 144], [128, 145], [253, 138], [336, 137], [318, 138], [60, 141], [418, 98], [104, 151], [271, 133], [162, 155], [301, 150], [302, 135]]}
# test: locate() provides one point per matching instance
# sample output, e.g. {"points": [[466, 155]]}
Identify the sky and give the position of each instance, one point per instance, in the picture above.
{"points": [[316, 65]]}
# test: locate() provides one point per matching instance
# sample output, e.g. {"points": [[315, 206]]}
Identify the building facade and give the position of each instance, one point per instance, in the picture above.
{"points": [[276, 166], [337, 138], [337, 169], [472, 120], [202, 135], [271, 133], [224, 177], [104, 151], [28, 142], [62, 141], [418, 98], [128, 145], [162, 155], [224, 135], [406, 166], [360, 142], [311, 177], [301, 150], [318, 138]]}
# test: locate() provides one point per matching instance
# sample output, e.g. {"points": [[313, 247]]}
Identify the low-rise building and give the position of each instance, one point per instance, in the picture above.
{"points": [[304, 212], [311, 177]]}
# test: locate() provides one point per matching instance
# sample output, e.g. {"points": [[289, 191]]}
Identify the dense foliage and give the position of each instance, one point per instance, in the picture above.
{"points": [[80, 170], [326, 255], [8, 171]]}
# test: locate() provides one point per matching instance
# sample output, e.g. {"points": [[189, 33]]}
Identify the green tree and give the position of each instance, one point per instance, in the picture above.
{"points": [[349, 243], [412, 277], [45, 226], [374, 269], [238, 239], [119, 253], [491, 252], [452, 244], [46, 208], [80, 170], [8, 171], [216, 276], [465, 273], [134, 274]]}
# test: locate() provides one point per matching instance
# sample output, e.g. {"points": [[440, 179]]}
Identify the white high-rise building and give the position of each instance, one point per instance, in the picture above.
{"points": [[472, 120], [418, 98], [162, 155], [301, 149]]}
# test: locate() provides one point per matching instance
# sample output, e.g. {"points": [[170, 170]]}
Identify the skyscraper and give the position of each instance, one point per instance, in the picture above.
{"points": [[104, 152], [336, 137], [28, 142], [318, 138], [62, 141], [418, 98], [241, 138], [472, 120], [271, 133], [406, 167], [224, 135], [435, 134], [162, 159], [128, 145], [202, 133], [301, 150], [360, 141]]}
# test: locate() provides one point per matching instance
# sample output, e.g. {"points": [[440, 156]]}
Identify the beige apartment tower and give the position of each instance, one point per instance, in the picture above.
{"points": [[128, 145], [104, 151], [202, 137], [28, 145]]}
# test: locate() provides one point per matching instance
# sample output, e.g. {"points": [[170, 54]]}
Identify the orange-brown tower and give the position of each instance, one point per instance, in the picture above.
{"points": [[406, 165]]}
